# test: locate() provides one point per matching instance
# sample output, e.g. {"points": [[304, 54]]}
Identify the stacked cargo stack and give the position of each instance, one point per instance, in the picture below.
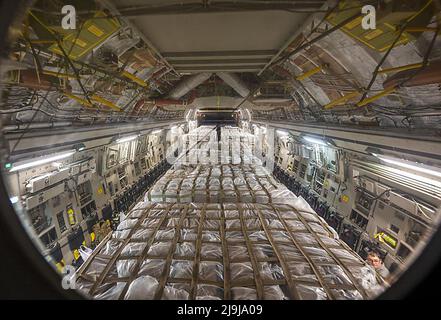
{"points": [[224, 231], [219, 184], [202, 147]]}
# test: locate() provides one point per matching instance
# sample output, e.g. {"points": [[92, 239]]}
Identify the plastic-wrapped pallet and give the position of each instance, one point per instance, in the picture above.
{"points": [[219, 183], [225, 251], [202, 147]]}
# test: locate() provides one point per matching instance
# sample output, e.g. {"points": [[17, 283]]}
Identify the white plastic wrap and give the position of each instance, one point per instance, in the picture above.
{"points": [[218, 184], [278, 247], [152, 267], [125, 268], [243, 293], [142, 288]]}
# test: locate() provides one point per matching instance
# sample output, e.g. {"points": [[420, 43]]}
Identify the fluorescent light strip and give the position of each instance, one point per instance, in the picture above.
{"points": [[282, 133], [13, 200], [415, 177], [408, 165], [156, 131], [316, 141], [126, 139], [40, 161]]}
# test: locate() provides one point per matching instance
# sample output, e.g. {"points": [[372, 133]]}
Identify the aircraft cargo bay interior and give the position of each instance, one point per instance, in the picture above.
{"points": [[221, 150]]}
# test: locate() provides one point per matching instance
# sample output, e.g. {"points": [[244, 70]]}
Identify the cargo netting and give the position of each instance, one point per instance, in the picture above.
{"points": [[224, 229], [225, 251]]}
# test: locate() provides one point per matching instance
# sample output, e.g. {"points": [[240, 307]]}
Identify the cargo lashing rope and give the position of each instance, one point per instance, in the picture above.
{"points": [[354, 281], [257, 277], [252, 212], [287, 273], [226, 259], [197, 257], [116, 255], [144, 253], [166, 271], [307, 257]]}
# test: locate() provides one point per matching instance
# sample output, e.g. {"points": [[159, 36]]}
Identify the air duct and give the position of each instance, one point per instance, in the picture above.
{"points": [[189, 84], [272, 100], [234, 82]]}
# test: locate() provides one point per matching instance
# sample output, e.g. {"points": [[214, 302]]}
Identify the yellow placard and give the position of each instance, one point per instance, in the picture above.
{"points": [[76, 254], [95, 30], [345, 198], [60, 266], [373, 34], [385, 238], [71, 216], [354, 23], [80, 43]]}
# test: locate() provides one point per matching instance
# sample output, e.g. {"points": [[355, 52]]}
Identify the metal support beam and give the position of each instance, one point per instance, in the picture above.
{"points": [[213, 55], [40, 140], [218, 62], [412, 143], [376, 97], [309, 73], [193, 69], [402, 68], [342, 99], [220, 6]]}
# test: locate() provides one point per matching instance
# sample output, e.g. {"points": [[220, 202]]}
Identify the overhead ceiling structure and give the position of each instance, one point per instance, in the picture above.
{"points": [[212, 36], [297, 60]]}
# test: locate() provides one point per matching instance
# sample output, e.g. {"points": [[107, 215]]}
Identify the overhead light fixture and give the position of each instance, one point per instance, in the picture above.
{"points": [[282, 133], [316, 141], [80, 147], [40, 161], [13, 200], [415, 166], [156, 131], [126, 139]]}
